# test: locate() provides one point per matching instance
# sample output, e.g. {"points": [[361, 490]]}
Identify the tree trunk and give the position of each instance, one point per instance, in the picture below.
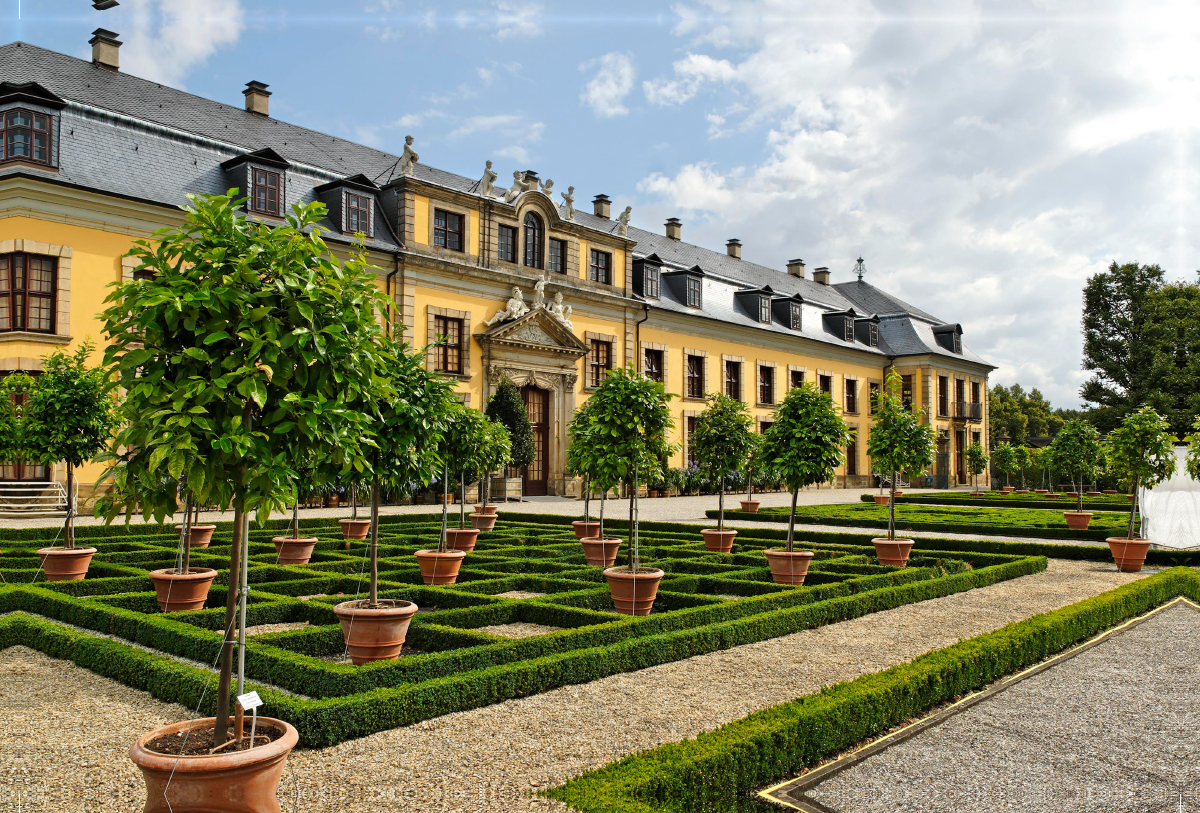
{"points": [[587, 499], [892, 509], [1133, 506], [235, 555], [721, 506], [1079, 491], [187, 535], [792, 520], [69, 523], [462, 500], [375, 533], [353, 501], [244, 599], [750, 486], [634, 559], [603, 499], [445, 499]]}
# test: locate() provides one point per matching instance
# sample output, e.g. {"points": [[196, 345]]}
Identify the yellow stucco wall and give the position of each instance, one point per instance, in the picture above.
{"points": [[421, 219]]}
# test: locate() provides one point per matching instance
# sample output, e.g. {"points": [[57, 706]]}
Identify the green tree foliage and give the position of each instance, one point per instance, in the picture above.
{"points": [[1024, 462], [1193, 452], [723, 439], [508, 407], [899, 441], [68, 416], [1004, 458], [977, 460], [471, 443], [1015, 415], [246, 343], [1141, 451], [1076, 453], [1142, 342], [627, 420]]}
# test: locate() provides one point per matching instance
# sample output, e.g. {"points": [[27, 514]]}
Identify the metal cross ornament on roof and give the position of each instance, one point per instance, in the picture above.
{"points": [[860, 268]]}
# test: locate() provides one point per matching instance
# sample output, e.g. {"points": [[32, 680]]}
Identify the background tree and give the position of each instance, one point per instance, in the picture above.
{"points": [[1076, 452], [977, 460], [468, 447], [494, 454], [1004, 459], [899, 441], [68, 416], [1142, 341], [1193, 452], [805, 443], [1024, 462], [1014, 414], [583, 461], [508, 407], [13, 388], [244, 339], [722, 440], [628, 417], [1141, 451]]}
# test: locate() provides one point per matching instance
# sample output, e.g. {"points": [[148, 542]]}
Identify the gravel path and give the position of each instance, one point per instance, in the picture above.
{"points": [[1137, 695], [491, 758], [519, 630]]}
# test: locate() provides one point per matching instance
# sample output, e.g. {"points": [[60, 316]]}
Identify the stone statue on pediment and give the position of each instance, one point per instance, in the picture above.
{"points": [[548, 188], [539, 294], [517, 188], [569, 202], [566, 317], [623, 222], [514, 309], [409, 157], [556, 308], [487, 182]]}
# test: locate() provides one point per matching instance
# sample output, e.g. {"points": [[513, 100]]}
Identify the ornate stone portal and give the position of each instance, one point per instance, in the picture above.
{"points": [[538, 350]]}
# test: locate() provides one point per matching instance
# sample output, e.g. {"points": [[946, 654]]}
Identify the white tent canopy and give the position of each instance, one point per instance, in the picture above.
{"points": [[1171, 510]]}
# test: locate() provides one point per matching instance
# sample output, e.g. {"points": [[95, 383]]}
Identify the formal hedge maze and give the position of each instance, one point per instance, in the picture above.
{"points": [[526, 616]]}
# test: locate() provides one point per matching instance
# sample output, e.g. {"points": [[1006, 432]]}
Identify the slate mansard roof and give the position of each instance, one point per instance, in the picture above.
{"points": [[131, 137]]}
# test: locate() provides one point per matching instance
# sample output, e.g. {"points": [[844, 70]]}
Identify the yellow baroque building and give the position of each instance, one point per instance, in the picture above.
{"points": [[522, 284]]}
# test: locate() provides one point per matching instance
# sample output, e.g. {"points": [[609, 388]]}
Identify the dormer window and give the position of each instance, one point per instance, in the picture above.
{"points": [[26, 135], [264, 193], [358, 213], [957, 344], [949, 337], [874, 333], [849, 323], [797, 316], [695, 293], [764, 310], [650, 281]]}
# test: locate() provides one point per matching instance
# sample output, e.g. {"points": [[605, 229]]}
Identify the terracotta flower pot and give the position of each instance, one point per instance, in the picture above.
{"points": [[718, 541], [331, 501], [374, 633], [440, 568], [1109, 491], [892, 552], [483, 522], [461, 538], [355, 528], [633, 594], [1078, 520], [585, 530], [200, 535], [1007, 490], [292, 551], [1021, 491], [178, 593], [1092, 494], [977, 494], [65, 565], [600, 552], [234, 782], [899, 493], [1041, 491], [1073, 495], [485, 509], [750, 506], [1129, 554], [1052, 495], [788, 568], [882, 499], [1130, 498]]}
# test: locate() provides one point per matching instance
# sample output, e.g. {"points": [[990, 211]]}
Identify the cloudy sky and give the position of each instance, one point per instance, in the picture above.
{"points": [[984, 158]]}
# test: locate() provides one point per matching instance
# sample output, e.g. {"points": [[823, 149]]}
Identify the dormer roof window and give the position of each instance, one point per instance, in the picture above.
{"points": [[261, 178], [28, 124], [351, 203], [688, 285], [866, 330], [949, 337], [841, 324], [647, 277], [757, 303]]}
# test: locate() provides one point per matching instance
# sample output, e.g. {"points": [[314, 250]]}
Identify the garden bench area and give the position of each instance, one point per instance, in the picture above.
{"points": [[457, 654]]}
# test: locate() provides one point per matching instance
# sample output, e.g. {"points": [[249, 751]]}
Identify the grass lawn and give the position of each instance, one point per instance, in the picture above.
{"points": [[994, 499], [966, 519]]}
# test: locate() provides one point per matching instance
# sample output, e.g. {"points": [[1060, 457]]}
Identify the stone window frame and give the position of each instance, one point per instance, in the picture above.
{"points": [[859, 449], [62, 292], [431, 336], [774, 366], [832, 380], [588, 337], [704, 378], [857, 395], [684, 437], [346, 192], [796, 368], [666, 353], [726, 359], [871, 409], [457, 209]]}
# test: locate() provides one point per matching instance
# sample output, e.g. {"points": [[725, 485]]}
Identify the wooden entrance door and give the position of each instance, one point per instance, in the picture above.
{"points": [[536, 474], [960, 460]]}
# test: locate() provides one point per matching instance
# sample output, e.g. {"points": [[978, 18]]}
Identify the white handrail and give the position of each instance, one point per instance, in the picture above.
{"points": [[24, 499]]}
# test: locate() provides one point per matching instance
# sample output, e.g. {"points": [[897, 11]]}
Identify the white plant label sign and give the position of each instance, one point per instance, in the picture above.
{"points": [[250, 700]]}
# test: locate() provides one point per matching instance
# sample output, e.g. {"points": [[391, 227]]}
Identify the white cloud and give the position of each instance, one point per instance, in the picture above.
{"points": [[690, 72], [517, 19], [606, 91], [166, 40]]}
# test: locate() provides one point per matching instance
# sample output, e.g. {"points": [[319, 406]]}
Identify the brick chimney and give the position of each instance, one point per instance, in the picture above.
{"points": [[105, 46], [602, 206], [674, 228], [733, 247], [821, 275], [796, 268], [257, 98]]}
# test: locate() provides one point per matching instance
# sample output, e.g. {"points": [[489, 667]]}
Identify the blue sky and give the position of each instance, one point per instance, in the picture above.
{"points": [[984, 158]]}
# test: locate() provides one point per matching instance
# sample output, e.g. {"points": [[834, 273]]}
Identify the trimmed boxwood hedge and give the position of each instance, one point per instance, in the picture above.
{"points": [[456, 665], [719, 771], [994, 499]]}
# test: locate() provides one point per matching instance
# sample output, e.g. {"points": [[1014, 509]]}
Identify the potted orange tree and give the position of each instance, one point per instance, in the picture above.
{"points": [[242, 337], [578, 466], [1004, 458], [977, 460], [1076, 452], [495, 452], [803, 447], [753, 466], [1141, 452], [467, 434], [590, 458], [628, 417], [722, 441], [441, 565], [67, 416], [898, 442]]}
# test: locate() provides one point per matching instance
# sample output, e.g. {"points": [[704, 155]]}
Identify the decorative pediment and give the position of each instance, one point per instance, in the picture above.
{"points": [[537, 330]]}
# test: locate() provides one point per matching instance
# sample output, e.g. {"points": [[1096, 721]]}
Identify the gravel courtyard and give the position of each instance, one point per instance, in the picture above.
{"points": [[1110, 729], [67, 731]]}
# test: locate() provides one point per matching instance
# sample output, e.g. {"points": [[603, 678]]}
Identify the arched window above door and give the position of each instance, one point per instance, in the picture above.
{"points": [[534, 234]]}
